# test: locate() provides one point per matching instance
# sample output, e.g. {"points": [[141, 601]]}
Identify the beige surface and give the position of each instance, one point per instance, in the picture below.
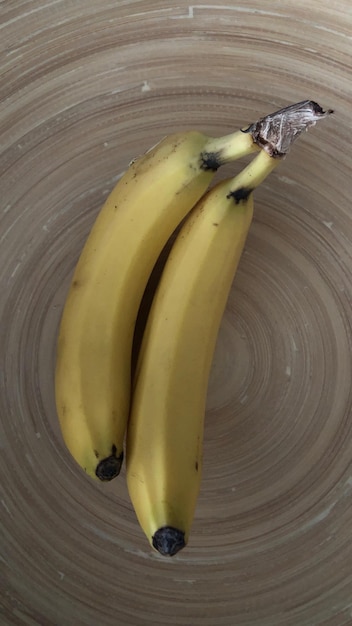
{"points": [[85, 86]]}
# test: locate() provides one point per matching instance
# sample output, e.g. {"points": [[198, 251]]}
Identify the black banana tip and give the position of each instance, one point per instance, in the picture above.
{"points": [[109, 467], [168, 540]]}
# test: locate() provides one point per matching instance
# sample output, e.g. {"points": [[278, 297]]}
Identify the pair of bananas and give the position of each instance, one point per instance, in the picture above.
{"points": [[162, 408]]}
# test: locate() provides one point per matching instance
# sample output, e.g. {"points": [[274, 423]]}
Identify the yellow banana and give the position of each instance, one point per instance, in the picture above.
{"points": [[93, 368], [165, 431]]}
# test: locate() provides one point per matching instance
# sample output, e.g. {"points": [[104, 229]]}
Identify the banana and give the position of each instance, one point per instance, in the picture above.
{"points": [[165, 430], [93, 361]]}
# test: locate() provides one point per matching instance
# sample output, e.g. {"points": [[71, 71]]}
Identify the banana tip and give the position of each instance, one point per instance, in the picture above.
{"points": [[168, 540], [110, 467]]}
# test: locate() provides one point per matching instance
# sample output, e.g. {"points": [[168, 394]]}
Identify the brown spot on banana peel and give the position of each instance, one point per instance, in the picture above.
{"points": [[240, 195], [210, 161]]}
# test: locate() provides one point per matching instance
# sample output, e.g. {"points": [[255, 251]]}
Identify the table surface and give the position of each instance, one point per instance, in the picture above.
{"points": [[86, 86]]}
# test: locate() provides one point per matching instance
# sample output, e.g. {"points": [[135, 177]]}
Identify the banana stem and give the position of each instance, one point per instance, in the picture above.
{"points": [[230, 147], [274, 133], [253, 175]]}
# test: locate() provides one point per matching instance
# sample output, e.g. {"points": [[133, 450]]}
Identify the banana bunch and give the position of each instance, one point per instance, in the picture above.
{"points": [[93, 367], [165, 403]]}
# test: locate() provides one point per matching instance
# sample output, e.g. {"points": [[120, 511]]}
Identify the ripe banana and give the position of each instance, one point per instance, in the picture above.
{"points": [[165, 431], [93, 367]]}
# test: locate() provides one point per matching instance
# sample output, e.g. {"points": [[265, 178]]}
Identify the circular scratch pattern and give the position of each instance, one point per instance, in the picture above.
{"points": [[86, 87]]}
